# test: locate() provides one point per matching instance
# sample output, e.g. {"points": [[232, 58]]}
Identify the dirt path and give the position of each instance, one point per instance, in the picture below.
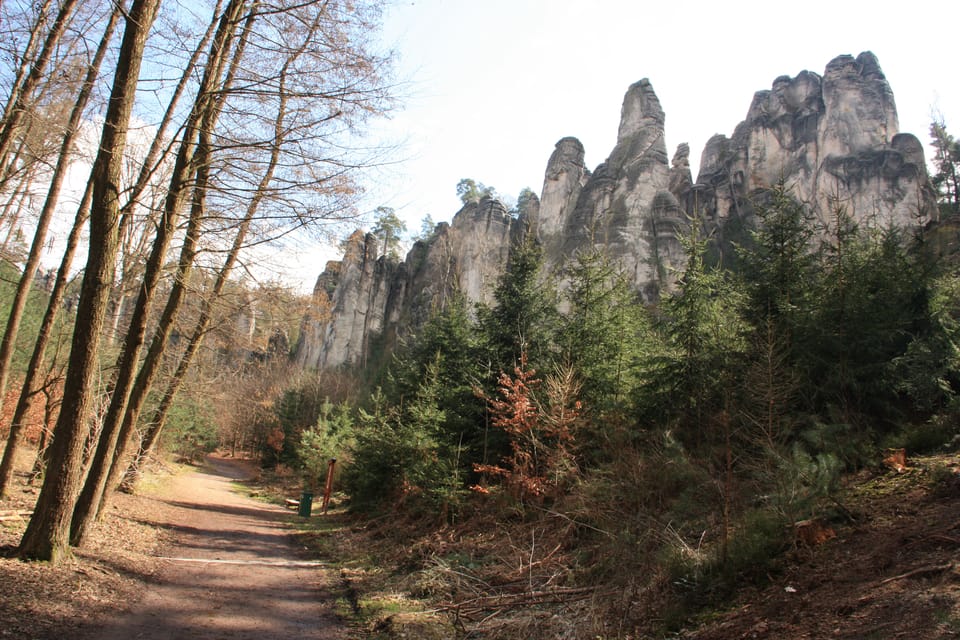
{"points": [[232, 571]]}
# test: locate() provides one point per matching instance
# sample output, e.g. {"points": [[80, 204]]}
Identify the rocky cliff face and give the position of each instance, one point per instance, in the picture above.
{"points": [[624, 205], [367, 296], [833, 139]]}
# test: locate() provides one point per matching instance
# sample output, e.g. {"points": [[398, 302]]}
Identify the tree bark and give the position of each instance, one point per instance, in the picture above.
{"points": [[28, 389], [160, 149], [40, 236], [155, 426], [192, 160], [47, 535]]}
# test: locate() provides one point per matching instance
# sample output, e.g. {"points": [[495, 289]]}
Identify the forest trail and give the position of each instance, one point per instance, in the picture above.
{"points": [[231, 570]]}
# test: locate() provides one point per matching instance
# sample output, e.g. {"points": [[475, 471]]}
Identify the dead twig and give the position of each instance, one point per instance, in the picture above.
{"points": [[935, 537], [494, 605], [14, 514], [920, 571], [573, 521]]}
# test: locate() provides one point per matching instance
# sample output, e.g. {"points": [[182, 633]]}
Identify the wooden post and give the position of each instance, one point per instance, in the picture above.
{"points": [[329, 486]]}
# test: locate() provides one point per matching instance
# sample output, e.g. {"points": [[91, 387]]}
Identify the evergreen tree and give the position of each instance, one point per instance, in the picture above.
{"points": [[523, 313], [779, 265], [469, 190], [400, 455], [449, 342], [600, 332], [691, 380], [946, 160], [329, 439], [388, 229], [780, 271], [870, 347], [928, 370]]}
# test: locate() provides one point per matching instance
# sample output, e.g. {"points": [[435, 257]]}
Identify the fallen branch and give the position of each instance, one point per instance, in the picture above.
{"points": [[920, 571], [578, 523], [14, 515], [934, 537], [499, 603]]}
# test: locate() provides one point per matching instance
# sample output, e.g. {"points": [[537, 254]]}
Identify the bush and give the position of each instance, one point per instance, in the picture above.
{"points": [[707, 576], [329, 439], [399, 456], [926, 438], [191, 430]]}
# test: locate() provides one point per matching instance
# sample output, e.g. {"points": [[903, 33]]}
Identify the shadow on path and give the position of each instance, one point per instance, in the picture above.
{"points": [[231, 570]]}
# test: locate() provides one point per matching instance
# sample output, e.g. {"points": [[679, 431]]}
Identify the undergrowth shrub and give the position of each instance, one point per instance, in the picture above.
{"points": [[400, 457], [329, 439], [850, 444], [941, 432], [629, 508], [540, 433], [708, 575], [191, 429]]}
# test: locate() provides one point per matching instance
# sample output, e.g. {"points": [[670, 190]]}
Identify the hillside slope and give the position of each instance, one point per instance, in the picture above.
{"points": [[894, 572], [891, 571]]}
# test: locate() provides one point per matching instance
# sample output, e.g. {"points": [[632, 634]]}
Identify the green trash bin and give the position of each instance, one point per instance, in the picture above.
{"points": [[306, 504]]}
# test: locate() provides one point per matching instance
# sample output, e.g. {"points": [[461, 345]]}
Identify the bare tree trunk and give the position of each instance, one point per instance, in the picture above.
{"points": [[193, 159], [185, 265], [155, 427], [46, 214], [28, 391], [47, 534], [160, 149]]}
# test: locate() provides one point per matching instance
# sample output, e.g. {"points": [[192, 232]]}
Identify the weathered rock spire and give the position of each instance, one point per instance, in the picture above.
{"points": [[833, 139]]}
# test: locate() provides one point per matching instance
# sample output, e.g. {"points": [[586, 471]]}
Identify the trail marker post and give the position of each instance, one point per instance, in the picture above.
{"points": [[329, 486]]}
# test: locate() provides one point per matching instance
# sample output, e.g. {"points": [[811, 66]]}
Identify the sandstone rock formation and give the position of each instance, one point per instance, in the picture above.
{"points": [[372, 296], [833, 139], [625, 205]]}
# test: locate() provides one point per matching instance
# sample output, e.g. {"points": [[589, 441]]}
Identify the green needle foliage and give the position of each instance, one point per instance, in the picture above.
{"points": [[600, 333], [400, 456], [523, 315], [330, 439], [703, 335]]}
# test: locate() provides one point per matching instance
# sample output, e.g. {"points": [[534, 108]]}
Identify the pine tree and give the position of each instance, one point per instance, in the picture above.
{"points": [[690, 381], [599, 334], [946, 160], [400, 455], [779, 265], [872, 299], [523, 313], [449, 342]]}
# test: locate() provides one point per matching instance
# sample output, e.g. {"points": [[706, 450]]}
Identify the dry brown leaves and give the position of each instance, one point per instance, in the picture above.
{"points": [[45, 602]]}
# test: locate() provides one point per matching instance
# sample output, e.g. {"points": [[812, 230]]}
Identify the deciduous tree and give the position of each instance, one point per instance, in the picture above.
{"points": [[18, 306], [190, 171], [47, 535]]}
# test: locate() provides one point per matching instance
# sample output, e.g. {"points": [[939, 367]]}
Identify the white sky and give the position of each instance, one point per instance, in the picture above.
{"points": [[491, 86]]}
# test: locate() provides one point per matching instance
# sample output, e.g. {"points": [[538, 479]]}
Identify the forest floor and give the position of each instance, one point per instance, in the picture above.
{"points": [[195, 556], [891, 572], [889, 568], [191, 556]]}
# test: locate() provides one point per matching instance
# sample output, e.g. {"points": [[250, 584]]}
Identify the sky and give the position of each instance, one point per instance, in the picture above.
{"points": [[488, 88]]}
